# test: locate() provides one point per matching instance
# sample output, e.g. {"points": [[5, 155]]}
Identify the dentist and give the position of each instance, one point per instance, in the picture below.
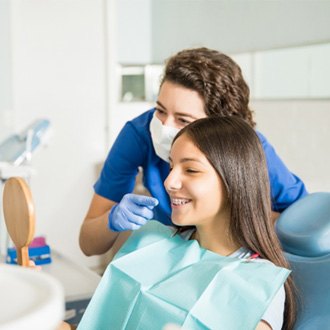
{"points": [[197, 83]]}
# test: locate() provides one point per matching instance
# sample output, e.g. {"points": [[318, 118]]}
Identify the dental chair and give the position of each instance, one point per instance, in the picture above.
{"points": [[304, 231]]}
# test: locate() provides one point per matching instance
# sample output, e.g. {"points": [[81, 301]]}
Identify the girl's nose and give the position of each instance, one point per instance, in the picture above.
{"points": [[173, 182]]}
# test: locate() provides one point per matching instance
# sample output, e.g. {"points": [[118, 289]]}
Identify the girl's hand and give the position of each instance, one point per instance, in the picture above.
{"points": [[66, 326], [32, 265]]}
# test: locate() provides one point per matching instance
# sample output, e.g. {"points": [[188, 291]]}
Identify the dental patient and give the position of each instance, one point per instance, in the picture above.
{"points": [[221, 266]]}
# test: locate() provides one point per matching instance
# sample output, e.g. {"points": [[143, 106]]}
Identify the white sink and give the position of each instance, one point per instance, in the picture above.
{"points": [[29, 299]]}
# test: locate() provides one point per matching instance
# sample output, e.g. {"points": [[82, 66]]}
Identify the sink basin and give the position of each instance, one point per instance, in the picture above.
{"points": [[29, 299]]}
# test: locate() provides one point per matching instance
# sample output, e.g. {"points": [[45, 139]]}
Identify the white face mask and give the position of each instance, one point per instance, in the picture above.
{"points": [[162, 137]]}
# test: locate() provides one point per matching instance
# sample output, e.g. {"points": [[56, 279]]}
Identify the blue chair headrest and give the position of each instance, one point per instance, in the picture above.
{"points": [[304, 227]]}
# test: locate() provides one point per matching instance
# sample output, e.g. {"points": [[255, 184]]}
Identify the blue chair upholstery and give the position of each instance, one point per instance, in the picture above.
{"points": [[304, 231]]}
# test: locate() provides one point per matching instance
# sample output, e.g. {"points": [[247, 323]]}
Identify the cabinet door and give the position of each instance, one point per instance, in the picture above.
{"points": [[320, 71], [282, 73]]}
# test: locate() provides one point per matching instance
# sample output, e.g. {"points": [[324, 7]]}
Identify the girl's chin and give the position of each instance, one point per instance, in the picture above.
{"points": [[176, 222], [181, 222]]}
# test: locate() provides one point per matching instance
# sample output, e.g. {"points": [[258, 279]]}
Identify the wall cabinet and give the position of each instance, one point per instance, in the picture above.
{"points": [[292, 73]]}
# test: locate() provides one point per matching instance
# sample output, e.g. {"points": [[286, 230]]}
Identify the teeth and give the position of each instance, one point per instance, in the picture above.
{"points": [[179, 201]]}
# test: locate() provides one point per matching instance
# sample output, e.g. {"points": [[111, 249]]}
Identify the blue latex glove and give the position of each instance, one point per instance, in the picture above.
{"points": [[132, 212]]}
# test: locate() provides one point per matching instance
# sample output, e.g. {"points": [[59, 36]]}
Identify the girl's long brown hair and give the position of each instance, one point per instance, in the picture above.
{"points": [[234, 150]]}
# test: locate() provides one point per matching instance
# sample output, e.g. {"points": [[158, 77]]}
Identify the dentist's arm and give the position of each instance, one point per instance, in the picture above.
{"points": [[105, 219], [95, 237]]}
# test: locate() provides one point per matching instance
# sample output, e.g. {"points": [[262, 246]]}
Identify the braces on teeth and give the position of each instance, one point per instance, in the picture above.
{"points": [[180, 201]]}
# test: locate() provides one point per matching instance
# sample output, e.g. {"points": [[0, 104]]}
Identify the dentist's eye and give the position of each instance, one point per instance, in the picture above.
{"points": [[160, 111], [184, 121]]}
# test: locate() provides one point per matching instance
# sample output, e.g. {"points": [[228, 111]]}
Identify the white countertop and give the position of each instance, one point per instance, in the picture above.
{"points": [[79, 282]]}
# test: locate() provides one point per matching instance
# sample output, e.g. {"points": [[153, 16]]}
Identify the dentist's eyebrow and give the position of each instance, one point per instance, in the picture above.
{"points": [[161, 105], [182, 114]]}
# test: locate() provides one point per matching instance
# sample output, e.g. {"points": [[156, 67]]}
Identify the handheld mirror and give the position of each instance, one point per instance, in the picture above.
{"points": [[18, 210]]}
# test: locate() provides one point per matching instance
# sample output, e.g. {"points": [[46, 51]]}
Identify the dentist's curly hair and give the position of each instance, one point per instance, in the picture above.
{"points": [[215, 77]]}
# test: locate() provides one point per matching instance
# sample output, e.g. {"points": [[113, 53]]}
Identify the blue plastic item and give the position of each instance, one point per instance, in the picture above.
{"points": [[40, 255], [304, 231]]}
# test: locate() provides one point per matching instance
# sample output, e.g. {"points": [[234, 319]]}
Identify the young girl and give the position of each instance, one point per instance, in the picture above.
{"points": [[219, 190]]}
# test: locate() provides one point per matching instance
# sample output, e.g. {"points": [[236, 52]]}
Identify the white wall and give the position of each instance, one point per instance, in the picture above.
{"points": [[58, 60], [134, 31], [5, 70], [300, 132]]}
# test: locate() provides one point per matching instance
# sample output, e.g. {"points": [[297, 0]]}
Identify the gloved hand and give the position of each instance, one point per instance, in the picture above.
{"points": [[132, 212]]}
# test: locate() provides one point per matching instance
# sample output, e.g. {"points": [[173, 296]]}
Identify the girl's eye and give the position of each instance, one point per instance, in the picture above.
{"points": [[190, 170]]}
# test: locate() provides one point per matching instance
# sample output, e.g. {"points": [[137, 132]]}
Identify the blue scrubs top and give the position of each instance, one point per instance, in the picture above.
{"points": [[133, 148]]}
